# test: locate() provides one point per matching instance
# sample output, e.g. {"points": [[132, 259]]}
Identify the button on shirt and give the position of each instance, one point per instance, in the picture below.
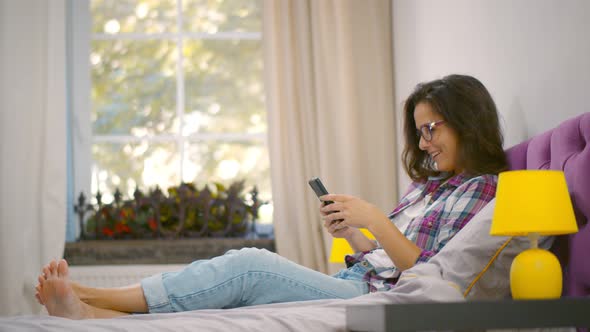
{"points": [[450, 206]]}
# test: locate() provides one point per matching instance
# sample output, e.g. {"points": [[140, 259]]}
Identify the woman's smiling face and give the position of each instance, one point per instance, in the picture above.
{"points": [[443, 148]]}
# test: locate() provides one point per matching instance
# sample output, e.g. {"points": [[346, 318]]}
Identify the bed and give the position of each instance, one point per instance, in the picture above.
{"points": [[453, 276]]}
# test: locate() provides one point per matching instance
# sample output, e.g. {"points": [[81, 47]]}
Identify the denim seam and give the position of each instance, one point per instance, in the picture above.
{"points": [[161, 305]]}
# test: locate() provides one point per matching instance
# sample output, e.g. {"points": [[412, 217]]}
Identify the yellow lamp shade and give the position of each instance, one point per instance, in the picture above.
{"points": [[341, 248], [533, 201]]}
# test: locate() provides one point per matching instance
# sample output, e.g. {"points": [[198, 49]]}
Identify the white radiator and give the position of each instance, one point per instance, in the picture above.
{"points": [[116, 275]]}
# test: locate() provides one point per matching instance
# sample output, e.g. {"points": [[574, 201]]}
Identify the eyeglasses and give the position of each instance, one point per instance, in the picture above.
{"points": [[425, 130]]}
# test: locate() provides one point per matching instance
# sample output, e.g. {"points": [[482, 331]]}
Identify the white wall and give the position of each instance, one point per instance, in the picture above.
{"points": [[532, 55]]}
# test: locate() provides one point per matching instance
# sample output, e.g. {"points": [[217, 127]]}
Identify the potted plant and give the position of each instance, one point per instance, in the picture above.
{"points": [[184, 211]]}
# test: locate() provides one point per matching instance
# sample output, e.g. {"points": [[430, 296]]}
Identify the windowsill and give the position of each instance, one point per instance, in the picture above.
{"points": [[157, 251]]}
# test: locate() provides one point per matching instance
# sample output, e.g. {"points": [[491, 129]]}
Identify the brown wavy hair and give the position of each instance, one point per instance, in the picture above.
{"points": [[470, 111]]}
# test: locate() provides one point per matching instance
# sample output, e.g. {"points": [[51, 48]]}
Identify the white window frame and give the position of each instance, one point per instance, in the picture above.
{"points": [[79, 86]]}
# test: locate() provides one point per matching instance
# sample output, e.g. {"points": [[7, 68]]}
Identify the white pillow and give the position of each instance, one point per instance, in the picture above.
{"points": [[463, 260]]}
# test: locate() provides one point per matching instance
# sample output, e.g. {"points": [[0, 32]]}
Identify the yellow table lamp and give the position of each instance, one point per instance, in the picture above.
{"points": [[341, 248], [534, 203]]}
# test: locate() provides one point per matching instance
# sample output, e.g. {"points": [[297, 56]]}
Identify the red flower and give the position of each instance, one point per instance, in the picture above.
{"points": [[122, 228], [107, 231], [152, 224]]}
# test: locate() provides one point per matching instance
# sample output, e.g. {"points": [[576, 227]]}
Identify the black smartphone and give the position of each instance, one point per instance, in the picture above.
{"points": [[319, 189]]}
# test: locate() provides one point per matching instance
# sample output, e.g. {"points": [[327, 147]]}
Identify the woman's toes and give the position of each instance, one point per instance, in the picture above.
{"points": [[39, 299], [53, 268], [62, 269]]}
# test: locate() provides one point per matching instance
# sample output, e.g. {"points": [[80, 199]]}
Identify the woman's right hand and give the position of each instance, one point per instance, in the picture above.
{"points": [[339, 231], [357, 240]]}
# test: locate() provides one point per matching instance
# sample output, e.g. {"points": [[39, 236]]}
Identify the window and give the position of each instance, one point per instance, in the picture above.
{"points": [[176, 94]]}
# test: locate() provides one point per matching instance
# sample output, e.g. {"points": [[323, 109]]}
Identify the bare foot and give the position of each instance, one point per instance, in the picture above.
{"points": [[42, 277], [78, 289], [39, 290], [56, 293]]}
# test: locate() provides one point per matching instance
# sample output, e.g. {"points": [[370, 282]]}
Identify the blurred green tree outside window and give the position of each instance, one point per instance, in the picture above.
{"points": [[177, 95]]}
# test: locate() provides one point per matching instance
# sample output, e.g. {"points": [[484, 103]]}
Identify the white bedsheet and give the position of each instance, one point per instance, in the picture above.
{"points": [[322, 315]]}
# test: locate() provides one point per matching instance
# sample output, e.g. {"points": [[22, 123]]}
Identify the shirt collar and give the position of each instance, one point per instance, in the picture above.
{"points": [[435, 182]]}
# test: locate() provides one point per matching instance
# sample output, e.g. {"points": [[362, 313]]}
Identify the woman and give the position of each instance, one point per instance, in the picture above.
{"points": [[453, 152]]}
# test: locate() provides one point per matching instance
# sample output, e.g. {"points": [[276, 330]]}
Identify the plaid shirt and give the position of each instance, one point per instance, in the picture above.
{"points": [[451, 206]]}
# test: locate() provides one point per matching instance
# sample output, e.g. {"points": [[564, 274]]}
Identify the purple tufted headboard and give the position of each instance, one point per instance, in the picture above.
{"points": [[567, 148]]}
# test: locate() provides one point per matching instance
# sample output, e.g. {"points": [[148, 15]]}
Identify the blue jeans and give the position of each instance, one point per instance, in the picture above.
{"points": [[246, 277]]}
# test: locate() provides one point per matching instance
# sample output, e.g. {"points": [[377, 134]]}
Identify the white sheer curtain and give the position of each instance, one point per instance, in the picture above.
{"points": [[32, 146], [329, 84]]}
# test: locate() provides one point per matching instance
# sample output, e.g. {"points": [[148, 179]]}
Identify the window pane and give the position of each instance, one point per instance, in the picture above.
{"points": [[133, 87], [224, 91], [213, 16], [208, 162], [134, 92], [127, 165], [124, 16]]}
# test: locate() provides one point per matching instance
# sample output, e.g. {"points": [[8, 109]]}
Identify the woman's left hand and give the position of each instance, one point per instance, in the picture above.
{"points": [[353, 211]]}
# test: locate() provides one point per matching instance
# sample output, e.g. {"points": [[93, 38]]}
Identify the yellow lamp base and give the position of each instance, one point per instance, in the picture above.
{"points": [[535, 274]]}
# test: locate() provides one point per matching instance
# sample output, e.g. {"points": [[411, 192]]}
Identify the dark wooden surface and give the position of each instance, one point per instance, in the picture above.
{"points": [[472, 315], [113, 252]]}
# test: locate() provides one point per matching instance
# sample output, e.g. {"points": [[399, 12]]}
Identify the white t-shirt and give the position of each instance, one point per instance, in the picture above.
{"points": [[378, 257]]}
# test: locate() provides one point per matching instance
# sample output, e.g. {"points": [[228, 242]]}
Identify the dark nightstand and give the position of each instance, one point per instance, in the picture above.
{"points": [[479, 315]]}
